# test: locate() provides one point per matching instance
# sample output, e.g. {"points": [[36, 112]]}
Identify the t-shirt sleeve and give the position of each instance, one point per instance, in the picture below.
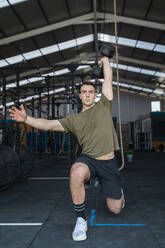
{"points": [[105, 100], [66, 122]]}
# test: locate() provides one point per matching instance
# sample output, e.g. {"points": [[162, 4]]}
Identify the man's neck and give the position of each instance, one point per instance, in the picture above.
{"points": [[87, 107]]}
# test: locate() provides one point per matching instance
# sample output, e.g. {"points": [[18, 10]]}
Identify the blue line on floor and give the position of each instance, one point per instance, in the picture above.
{"points": [[92, 217], [106, 224], [120, 224]]}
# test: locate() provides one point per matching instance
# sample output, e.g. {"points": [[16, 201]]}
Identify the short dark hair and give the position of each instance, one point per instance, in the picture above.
{"points": [[87, 83]]}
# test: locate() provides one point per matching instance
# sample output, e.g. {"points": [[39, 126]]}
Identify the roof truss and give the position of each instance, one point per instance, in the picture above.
{"points": [[83, 19]]}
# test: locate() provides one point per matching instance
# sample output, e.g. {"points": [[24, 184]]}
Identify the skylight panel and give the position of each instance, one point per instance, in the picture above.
{"points": [[85, 39], [60, 72], [121, 84], [122, 67], [106, 38], [136, 87], [49, 49], [51, 74], [160, 74], [147, 72], [124, 85], [132, 43], [147, 90], [3, 63], [12, 85], [32, 54], [67, 44], [82, 67], [127, 42], [58, 90], [79, 41], [159, 48], [138, 70], [134, 69], [23, 82], [46, 50], [35, 79], [56, 73], [9, 104], [145, 45], [15, 59], [4, 3]]}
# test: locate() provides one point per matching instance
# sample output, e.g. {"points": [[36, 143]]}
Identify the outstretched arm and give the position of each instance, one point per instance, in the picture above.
{"points": [[107, 87], [20, 115]]}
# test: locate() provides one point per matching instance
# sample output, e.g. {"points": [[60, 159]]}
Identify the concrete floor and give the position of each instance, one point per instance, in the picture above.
{"points": [[38, 212]]}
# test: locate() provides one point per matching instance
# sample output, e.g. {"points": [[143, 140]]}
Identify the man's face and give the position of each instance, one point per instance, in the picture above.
{"points": [[87, 95]]}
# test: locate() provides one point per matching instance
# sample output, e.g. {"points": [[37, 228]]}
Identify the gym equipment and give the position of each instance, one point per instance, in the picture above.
{"points": [[26, 158], [8, 133], [16, 158], [107, 51], [9, 166]]}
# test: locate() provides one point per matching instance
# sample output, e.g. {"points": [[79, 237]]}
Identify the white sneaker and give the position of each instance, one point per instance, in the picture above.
{"points": [[79, 232]]}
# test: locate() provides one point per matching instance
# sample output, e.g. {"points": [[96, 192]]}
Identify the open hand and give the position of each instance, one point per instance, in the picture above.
{"points": [[18, 115]]}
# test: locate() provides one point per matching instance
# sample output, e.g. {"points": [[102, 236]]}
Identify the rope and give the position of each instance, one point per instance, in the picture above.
{"points": [[118, 89]]}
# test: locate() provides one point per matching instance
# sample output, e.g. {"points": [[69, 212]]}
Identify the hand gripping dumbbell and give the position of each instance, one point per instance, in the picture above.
{"points": [[105, 51]]}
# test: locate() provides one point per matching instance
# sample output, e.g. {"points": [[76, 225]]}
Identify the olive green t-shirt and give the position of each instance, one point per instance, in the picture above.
{"points": [[93, 128]]}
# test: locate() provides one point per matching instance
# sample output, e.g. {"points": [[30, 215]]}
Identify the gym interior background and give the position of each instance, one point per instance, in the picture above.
{"points": [[47, 49]]}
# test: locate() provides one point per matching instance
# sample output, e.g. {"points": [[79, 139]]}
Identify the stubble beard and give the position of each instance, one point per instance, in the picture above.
{"points": [[88, 104]]}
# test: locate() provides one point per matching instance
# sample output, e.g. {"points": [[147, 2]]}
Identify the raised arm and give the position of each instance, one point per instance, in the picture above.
{"points": [[107, 87], [20, 115]]}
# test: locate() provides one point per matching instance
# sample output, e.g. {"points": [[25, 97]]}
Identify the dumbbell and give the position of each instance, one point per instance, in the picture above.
{"points": [[106, 51]]}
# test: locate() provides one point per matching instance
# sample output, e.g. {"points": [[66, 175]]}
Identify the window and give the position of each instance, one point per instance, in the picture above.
{"points": [[155, 106]]}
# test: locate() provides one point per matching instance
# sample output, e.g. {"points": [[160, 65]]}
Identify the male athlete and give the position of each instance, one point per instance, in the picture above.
{"points": [[95, 132]]}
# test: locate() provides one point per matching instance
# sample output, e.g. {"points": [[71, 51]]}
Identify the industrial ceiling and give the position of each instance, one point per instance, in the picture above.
{"points": [[39, 39]]}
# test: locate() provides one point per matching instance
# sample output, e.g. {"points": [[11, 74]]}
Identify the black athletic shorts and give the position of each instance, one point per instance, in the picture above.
{"points": [[107, 172]]}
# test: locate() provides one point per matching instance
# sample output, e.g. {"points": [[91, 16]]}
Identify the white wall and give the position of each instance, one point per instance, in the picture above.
{"points": [[132, 106]]}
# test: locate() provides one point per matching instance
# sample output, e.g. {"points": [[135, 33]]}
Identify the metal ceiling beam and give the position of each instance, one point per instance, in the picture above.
{"points": [[136, 83], [91, 56], [45, 29], [83, 58], [82, 20], [142, 62], [133, 21], [92, 22], [109, 18]]}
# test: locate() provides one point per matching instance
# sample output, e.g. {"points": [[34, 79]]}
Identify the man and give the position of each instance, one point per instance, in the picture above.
{"points": [[96, 134]]}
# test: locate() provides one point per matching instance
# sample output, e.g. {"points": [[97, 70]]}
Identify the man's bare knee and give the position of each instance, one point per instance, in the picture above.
{"points": [[114, 206], [115, 210], [79, 172]]}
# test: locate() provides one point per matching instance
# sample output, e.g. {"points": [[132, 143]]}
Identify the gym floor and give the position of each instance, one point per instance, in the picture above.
{"points": [[38, 212]]}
